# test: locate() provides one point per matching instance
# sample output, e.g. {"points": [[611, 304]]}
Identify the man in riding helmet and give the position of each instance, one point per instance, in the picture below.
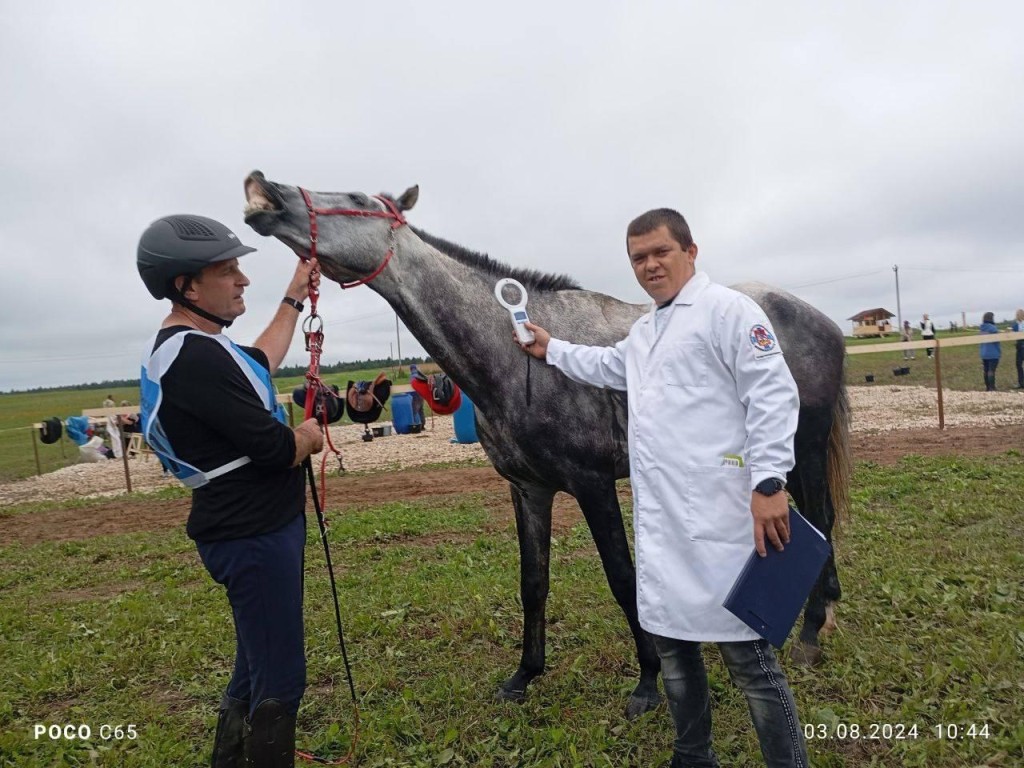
{"points": [[210, 411]]}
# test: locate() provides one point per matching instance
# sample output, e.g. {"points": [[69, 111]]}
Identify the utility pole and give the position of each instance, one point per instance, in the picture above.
{"points": [[899, 312], [398, 339]]}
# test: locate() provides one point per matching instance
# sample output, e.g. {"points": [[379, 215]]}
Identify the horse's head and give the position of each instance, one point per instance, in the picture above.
{"points": [[353, 230]]}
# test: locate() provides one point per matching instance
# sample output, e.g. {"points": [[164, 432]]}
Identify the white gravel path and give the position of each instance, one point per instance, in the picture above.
{"points": [[875, 409]]}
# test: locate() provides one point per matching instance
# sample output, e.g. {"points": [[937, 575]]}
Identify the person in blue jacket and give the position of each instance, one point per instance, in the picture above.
{"points": [[209, 410], [1018, 325], [990, 352]]}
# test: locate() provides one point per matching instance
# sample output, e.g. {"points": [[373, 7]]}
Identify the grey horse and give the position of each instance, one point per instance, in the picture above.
{"points": [[543, 432]]}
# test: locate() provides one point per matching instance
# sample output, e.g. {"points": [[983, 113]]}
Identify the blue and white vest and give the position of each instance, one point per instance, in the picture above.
{"points": [[156, 363]]}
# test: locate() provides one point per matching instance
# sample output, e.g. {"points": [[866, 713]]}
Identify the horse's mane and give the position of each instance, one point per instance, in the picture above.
{"points": [[530, 278]]}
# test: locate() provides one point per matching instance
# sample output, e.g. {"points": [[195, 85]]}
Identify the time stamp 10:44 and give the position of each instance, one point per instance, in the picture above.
{"points": [[895, 731]]}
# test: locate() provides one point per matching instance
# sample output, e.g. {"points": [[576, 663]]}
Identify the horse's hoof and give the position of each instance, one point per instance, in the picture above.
{"points": [[804, 654], [830, 620], [515, 696], [639, 705]]}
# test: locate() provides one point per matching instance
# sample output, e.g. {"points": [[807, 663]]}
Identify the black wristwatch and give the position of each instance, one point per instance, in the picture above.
{"points": [[770, 486], [293, 303]]}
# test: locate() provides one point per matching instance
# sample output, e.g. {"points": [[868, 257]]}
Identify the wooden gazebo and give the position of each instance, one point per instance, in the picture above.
{"points": [[872, 322]]}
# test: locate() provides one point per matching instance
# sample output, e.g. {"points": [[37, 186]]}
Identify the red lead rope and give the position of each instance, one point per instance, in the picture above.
{"points": [[317, 391]]}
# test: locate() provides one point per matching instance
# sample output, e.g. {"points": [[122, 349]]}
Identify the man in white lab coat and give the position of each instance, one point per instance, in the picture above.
{"points": [[712, 414]]}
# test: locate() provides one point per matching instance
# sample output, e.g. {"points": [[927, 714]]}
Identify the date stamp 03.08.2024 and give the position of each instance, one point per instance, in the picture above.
{"points": [[839, 730]]}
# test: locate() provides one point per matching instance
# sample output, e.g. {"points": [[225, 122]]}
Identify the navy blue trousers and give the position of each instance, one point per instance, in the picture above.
{"points": [[263, 577]]}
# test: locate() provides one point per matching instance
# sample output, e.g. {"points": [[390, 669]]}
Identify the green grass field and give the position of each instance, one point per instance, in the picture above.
{"points": [[129, 629], [961, 366]]}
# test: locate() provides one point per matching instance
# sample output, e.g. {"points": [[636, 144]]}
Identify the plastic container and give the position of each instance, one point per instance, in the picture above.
{"points": [[465, 421], [403, 417]]}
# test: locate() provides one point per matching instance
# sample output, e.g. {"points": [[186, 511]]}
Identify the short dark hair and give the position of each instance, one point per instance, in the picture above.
{"points": [[990, 317], [646, 223]]}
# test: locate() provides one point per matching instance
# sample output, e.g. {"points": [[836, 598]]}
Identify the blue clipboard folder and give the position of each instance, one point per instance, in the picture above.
{"points": [[771, 590]]}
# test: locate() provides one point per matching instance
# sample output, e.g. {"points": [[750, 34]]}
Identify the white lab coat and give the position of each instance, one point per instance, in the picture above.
{"points": [[712, 412]]}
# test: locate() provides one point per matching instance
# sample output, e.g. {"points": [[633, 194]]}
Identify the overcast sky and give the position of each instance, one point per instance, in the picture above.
{"points": [[810, 146]]}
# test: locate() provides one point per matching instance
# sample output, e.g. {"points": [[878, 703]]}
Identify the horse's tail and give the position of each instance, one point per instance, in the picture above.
{"points": [[840, 467]]}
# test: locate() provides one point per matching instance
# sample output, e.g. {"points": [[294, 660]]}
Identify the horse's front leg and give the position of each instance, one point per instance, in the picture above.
{"points": [[600, 504], [533, 525]]}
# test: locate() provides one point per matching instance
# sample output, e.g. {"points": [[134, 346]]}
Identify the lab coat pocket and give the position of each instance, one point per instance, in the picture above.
{"points": [[686, 364], [720, 505]]}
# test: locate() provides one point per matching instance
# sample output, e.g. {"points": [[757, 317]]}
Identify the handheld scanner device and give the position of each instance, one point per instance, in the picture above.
{"points": [[516, 309]]}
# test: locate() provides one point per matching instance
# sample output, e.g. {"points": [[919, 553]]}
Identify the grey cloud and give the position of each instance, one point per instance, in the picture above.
{"points": [[803, 144]]}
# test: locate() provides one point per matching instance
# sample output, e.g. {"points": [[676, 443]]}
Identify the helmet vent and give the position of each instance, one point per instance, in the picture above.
{"points": [[188, 228]]}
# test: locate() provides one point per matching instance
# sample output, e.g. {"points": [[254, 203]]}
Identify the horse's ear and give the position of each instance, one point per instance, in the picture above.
{"points": [[409, 198]]}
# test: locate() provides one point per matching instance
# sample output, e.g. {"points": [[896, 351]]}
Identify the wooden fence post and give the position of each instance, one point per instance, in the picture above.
{"points": [[124, 457], [35, 450], [938, 383]]}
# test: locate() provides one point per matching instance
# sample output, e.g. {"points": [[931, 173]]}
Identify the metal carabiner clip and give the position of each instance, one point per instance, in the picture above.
{"points": [[312, 327]]}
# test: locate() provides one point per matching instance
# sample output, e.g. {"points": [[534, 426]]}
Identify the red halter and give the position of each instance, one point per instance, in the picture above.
{"points": [[392, 212], [313, 325]]}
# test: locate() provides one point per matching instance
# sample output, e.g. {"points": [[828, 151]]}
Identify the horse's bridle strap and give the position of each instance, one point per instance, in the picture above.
{"points": [[391, 212]]}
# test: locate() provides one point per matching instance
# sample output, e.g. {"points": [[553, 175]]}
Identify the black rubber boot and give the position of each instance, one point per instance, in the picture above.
{"points": [[228, 743], [270, 739]]}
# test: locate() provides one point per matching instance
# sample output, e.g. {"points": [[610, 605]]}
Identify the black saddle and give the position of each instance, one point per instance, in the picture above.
{"points": [[364, 400], [324, 400]]}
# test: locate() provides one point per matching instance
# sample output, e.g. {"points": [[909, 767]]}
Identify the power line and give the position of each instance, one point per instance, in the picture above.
{"points": [[357, 318], [955, 269], [67, 357], [64, 358], [838, 279], [916, 269]]}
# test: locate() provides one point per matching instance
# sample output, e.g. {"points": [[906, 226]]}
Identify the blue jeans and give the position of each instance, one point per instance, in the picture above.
{"points": [[990, 373], [263, 577], [754, 669]]}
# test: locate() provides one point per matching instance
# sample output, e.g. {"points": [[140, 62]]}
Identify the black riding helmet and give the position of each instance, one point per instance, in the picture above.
{"points": [[184, 245]]}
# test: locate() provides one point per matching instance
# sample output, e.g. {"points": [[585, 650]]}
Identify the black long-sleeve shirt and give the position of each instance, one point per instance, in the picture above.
{"points": [[212, 415]]}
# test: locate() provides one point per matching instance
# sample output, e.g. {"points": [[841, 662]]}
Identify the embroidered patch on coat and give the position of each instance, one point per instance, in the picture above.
{"points": [[763, 341]]}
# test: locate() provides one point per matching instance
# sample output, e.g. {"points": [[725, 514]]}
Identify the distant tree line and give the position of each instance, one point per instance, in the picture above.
{"points": [[356, 365], [283, 371]]}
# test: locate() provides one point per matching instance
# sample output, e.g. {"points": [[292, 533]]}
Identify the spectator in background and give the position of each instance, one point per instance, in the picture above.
{"points": [[109, 402], [927, 330], [907, 335], [128, 422], [1018, 325], [990, 352]]}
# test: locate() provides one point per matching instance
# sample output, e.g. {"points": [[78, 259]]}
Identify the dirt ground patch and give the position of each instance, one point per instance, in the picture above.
{"points": [[890, 447], [979, 428], [119, 516]]}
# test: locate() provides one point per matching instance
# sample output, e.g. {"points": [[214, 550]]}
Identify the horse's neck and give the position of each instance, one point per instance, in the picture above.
{"points": [[450, 308]]}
